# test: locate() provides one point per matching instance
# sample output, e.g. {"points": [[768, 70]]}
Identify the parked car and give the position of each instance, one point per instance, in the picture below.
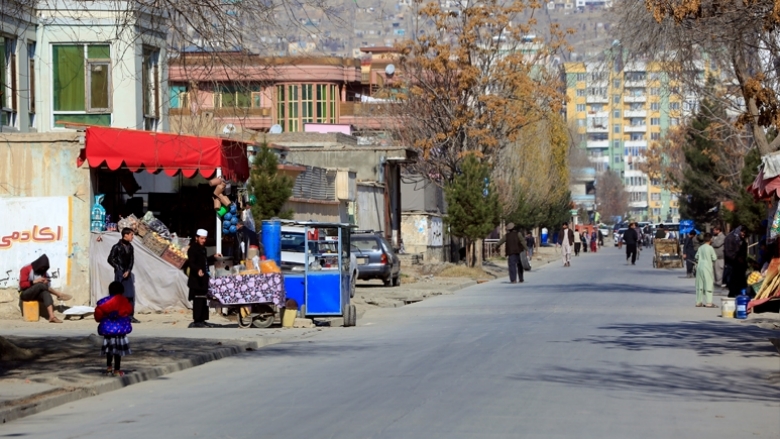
{"points": [[619, 235], [376, 258], [294, 258]]}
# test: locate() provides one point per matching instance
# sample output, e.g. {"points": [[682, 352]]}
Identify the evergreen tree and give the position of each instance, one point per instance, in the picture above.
{"points": [[700, 176], [472, 203], [748, 212], [271, 189]]}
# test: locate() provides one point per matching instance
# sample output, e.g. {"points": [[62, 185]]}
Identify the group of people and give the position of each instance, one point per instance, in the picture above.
{"points": [[572, 241], [718, 260]]}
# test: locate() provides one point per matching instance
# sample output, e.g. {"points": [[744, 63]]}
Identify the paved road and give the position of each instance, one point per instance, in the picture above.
{"points": [[599, 350]]}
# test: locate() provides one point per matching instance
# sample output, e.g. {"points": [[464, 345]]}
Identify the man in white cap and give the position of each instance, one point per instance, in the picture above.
{"points": [[198, 282]]}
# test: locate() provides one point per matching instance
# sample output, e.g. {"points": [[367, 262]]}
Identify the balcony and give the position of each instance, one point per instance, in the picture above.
{"points": [[598, 144], [635, 143], [597, 129], [642, 83], [635, 128], [633, 99], [635, 113], [636, 188], [638, 204], [364, 109], [597, 99], [223, 112]]}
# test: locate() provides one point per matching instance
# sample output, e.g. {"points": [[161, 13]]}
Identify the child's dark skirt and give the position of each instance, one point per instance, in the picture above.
{"points": [[115, 345]]}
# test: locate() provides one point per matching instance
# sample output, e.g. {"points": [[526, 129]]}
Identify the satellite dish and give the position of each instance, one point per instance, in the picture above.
{"points": [[276, 129], [229, 129], [389, 70]]}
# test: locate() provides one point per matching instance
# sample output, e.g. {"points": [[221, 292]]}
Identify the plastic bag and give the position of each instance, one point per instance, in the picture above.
{"points": [[269, 266], [774, 231]]}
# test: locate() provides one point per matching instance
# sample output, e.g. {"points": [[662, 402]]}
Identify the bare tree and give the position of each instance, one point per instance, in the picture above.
{"points": [[611, 195]]}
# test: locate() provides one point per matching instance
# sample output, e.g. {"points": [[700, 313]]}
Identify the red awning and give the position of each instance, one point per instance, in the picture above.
{"points": [[170, 153]]}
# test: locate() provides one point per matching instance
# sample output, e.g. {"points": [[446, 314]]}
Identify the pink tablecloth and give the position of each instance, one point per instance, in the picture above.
{"points": [[245, 289]]}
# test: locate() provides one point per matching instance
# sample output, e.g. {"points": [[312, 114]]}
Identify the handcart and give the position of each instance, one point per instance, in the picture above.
{"points": [[667, 254], [255, 298]]}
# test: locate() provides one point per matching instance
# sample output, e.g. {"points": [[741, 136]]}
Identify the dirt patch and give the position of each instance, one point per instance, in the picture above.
{"points": [[466, 272], [11, 352]]}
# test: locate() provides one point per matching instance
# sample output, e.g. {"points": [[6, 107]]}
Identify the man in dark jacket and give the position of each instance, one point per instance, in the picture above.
{"points": [[689, 252], [735, 253], [631, 239], [122, 259], [198, 282], [514, 245], [245, 239]]}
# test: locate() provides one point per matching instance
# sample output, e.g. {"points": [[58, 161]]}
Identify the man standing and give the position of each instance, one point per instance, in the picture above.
{"points": [[198, 281], [735, 255], [718, 241], [705, 256], [514, 245], [689, 252], [530, 243], [566, 241], [122, 259], [631, 238], [245, 238], [35, 284]]}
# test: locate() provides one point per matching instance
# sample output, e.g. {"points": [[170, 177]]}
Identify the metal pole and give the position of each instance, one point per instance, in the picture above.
{"points": [[219, 222]]}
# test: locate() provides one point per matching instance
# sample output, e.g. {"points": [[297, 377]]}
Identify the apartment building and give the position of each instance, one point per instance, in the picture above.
{"points": [[619, 111]]}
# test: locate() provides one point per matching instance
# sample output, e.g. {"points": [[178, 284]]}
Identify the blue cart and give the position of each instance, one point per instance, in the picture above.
{"points": [[322, 286]]}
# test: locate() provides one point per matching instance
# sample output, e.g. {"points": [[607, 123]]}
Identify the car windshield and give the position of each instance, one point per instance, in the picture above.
{"points": [[365, 244], [294, 242]]}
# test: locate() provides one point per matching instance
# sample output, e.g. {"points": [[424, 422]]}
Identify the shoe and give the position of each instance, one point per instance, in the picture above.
{"points": [[513, 282], [521, 281], [210, 325], [65, 297], [135, 320], [109, 371], [119, 373], [196, 325], [55, 320]]}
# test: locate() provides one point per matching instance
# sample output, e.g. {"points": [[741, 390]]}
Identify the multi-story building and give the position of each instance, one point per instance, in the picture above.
{"points": [[619, 112]]}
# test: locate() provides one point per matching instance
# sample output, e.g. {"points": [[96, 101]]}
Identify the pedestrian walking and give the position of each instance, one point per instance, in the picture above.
{"points": [[122, 259], [514, 245], [705, 272], [577, 242], [689, 253], [718, 242], [198, 281], [35, 285], [594, 241], [585, 240], [113, 314], [566, 241], [530, 243], [735, 255], [631, 238]]}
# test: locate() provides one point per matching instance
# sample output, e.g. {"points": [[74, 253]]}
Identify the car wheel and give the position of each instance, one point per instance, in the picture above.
{"points": [[397, 281], [386, 281]]}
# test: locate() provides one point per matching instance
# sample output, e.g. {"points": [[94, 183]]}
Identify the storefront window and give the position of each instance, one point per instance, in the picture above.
{"points": [[305, 103]]}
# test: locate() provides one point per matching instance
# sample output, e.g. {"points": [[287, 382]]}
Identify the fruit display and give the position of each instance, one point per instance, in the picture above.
{"points": [[156, 243], [754, 278], [174, 256]]}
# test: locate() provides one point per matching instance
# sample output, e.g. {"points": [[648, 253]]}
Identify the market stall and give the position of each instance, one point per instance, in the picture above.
{"points": [[765, 283]]}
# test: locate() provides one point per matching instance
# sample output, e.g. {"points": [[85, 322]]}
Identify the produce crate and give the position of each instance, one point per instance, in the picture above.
{"points": [[172, 258], [142, 229], [155, 243]]}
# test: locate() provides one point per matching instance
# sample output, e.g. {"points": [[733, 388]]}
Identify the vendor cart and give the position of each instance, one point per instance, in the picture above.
{"points": [[321, 287], [667, 254], [253, 297]]}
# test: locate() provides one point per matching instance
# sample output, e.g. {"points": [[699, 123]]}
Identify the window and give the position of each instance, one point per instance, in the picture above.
{"points": [[654, 91], [580, 107], [674, 121], [655, 121], [298, 104], [616, 144], [580, 92], [580, 76], [616, 129], [150, 82], [616, 83], [674, 105], [616, 114], [617, 158], [654, 76], [655, 106], [616, 99], [655, 136], [31, 81], [596, 107], [8, 89], [655, 197], [82, 84], [656, 211], [179, 98], [580, 122]]}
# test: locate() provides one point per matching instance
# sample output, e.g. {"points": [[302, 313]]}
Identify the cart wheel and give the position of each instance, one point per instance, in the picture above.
{"points": [[265, 318], [243, 317], [655, 262], [350, 316]]}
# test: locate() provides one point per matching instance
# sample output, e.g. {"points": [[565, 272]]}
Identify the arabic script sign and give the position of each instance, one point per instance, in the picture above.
{"points": [[31, 227]]}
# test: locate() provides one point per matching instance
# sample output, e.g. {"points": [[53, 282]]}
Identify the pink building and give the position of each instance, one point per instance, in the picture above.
{"points": [[256, 92]]}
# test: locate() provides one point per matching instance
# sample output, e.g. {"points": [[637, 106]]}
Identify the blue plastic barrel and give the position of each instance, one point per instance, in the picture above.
{"points": [[742, 304], [544, 236], [272, 240]]}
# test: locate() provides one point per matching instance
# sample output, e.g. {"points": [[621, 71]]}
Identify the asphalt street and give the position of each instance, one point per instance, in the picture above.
{"points": [[598, 350]]}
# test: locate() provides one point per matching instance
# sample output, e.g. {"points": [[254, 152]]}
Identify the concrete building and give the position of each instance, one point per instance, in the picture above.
{"points": [[620, 111], [88, 63]]}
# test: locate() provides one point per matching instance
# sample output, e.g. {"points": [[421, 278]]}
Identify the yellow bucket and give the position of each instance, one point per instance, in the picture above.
{"points": [[288, 318], [31, 311]]}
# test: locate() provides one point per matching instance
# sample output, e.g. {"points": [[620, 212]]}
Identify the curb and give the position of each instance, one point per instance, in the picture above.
{"points": [[40, 402]]}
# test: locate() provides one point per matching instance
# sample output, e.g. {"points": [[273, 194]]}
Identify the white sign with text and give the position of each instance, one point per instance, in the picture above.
{"points": [[32, 226]]}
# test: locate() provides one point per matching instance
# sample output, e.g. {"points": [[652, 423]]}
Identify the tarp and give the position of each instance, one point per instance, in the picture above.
{"points": [[169, 153], [158, 284]]}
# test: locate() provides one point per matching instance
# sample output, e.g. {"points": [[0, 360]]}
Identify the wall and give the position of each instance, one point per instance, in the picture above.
{"points": [[312, 210], [44, 165], [370, 207], [424, 234]]}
